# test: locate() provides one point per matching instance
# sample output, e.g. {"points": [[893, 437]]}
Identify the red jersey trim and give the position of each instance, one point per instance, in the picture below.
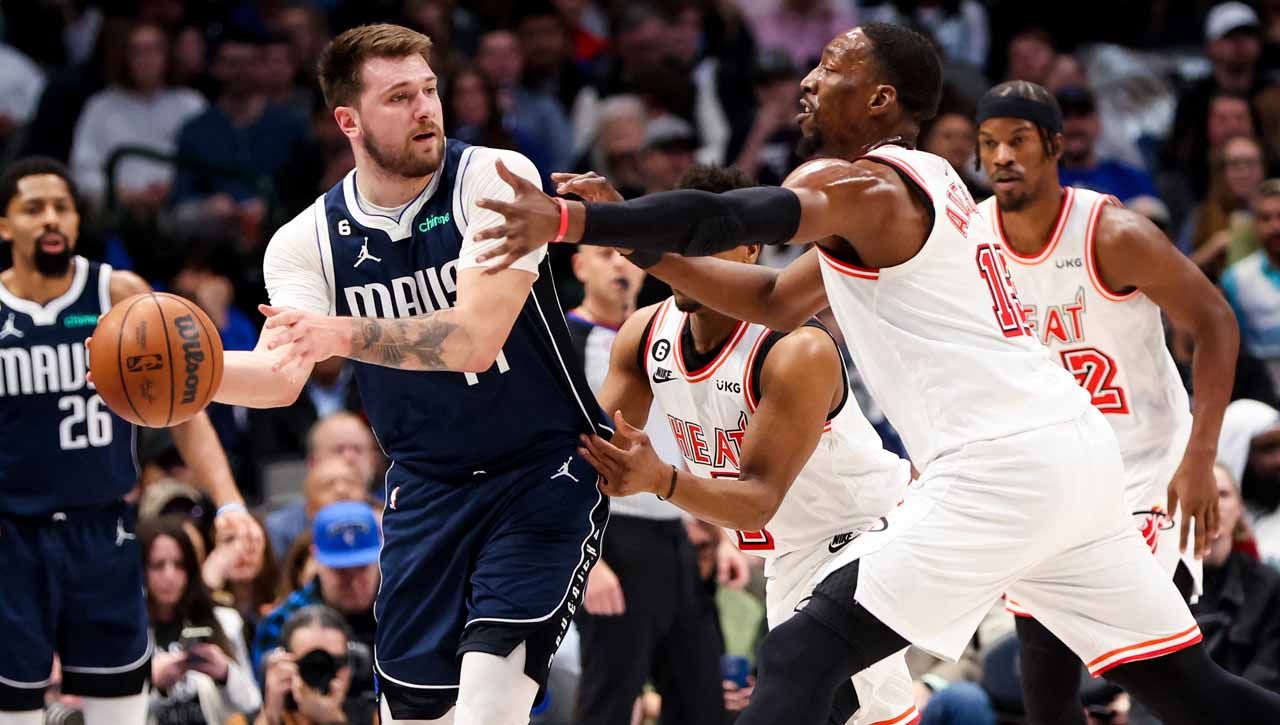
{"points": [[851, 270], [1091, 258], [698, 376], [905, 168], [752, 403], [1064, 211]]}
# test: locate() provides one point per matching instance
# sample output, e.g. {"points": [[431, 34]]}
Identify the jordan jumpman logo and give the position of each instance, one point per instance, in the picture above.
{"points": [[364, 254]]}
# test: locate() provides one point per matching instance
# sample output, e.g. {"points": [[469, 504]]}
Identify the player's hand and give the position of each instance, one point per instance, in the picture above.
{"points": [[238, 526], [604, 592], [305, 338], [628, 462], [167, 668], [590, 187], [530, 220], [1195, 491], [210, 660], [732, 568]]}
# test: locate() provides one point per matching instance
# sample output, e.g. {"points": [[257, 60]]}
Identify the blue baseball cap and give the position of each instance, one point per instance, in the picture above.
{"points": [[346, 535]]}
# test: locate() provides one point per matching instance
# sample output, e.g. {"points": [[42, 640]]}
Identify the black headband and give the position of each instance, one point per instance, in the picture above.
{"points": [[1041, 114]]}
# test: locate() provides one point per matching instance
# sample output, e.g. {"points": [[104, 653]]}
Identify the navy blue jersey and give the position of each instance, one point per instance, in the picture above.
{"points": [[449, 424], [60, 446]]}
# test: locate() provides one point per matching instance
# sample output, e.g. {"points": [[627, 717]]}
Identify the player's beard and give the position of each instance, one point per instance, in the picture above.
{"points": [[402, 162], [53, 264]]}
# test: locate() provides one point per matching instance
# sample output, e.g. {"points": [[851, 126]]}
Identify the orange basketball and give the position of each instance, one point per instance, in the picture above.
{"points": [[156, 359]]}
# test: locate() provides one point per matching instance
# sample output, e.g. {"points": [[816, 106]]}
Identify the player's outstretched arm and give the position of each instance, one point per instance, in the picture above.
{"points": [[626, 387], [261, 377], [1133, 253], [799, 381], [813, 204], [778, 299]]}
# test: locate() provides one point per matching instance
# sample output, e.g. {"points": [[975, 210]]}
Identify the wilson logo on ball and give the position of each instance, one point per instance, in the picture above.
{"points": [[142, 363], [192, 355]]}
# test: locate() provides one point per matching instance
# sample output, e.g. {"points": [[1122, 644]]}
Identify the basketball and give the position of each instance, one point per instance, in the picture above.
{"points": [[156, 359]]}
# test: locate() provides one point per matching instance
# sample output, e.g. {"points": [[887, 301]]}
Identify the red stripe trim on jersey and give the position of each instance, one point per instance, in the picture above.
{"points": [[698, 376], [1091, 258], [1064, 211], [1193, 629], [845, 268], [905, 168], [658, 317], [912, 715], [1148, 655], [746, 374]]}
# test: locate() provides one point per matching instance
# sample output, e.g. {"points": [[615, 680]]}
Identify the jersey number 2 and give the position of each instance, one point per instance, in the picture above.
{"points": [[93, 413], [1095, 371], [1004, 297]]}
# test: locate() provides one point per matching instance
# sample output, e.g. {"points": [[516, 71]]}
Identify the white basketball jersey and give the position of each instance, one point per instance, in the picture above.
{"points": [[848, 482], [1112, 343], [940, 340]]}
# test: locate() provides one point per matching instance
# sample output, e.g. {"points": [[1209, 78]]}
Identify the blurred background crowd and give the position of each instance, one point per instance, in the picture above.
{"points": [[194, 129]]}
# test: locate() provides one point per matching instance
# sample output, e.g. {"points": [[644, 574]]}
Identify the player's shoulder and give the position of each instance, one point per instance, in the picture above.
{"points": [[124, 284], [301, 230], [1117, 226], [804, 347], [480, 165]]}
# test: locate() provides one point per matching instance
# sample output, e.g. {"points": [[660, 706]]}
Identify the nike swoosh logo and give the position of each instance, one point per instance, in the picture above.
{"points": [[839, 541], [662, 375]]}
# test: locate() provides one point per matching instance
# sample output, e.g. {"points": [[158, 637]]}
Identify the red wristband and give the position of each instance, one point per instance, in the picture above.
{"points": [[564, 220]]}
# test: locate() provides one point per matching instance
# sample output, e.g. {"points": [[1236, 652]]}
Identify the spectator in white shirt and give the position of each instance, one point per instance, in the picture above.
{"points": [[21, 83], [138, 109]]}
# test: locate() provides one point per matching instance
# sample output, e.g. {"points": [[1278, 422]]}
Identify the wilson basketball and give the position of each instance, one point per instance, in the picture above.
{"points": [[156, 359]]}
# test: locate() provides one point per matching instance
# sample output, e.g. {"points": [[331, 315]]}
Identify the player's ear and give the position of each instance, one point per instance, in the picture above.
{"points": [[348, 120], [883, 97], [1055, 146], [577, 260], [753, 253], [5, 230]]}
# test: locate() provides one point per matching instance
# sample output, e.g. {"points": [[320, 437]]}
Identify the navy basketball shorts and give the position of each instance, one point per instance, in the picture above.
{"points": [[72, 584], [481, 565]]}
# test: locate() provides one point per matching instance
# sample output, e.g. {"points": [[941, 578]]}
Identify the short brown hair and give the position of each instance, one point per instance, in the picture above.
{"points": [[344, 57]]}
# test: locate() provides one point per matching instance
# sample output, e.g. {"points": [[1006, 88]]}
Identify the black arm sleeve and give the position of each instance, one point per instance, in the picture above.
{"points": [[695, 223]]}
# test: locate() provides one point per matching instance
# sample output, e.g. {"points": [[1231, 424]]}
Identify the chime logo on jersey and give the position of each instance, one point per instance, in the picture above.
{"points": [[721, 449], [427, 290]]}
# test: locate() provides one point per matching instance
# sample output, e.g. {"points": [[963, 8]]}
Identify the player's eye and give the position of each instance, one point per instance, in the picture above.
{"points": [[431, 91], [397, 98]]}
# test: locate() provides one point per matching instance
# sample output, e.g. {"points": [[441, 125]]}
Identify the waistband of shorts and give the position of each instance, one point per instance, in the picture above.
{"points": [[70, 514]]}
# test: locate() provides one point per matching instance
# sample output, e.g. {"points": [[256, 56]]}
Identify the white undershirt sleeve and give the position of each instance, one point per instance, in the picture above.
{"points": [[293, 266], [479, 180]]}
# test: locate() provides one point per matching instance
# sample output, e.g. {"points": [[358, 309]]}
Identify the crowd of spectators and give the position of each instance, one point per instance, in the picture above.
{"points": [[195, 129]]}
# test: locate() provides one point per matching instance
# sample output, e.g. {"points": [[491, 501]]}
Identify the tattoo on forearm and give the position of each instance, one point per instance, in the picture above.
{"points": [[414, 344]]}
